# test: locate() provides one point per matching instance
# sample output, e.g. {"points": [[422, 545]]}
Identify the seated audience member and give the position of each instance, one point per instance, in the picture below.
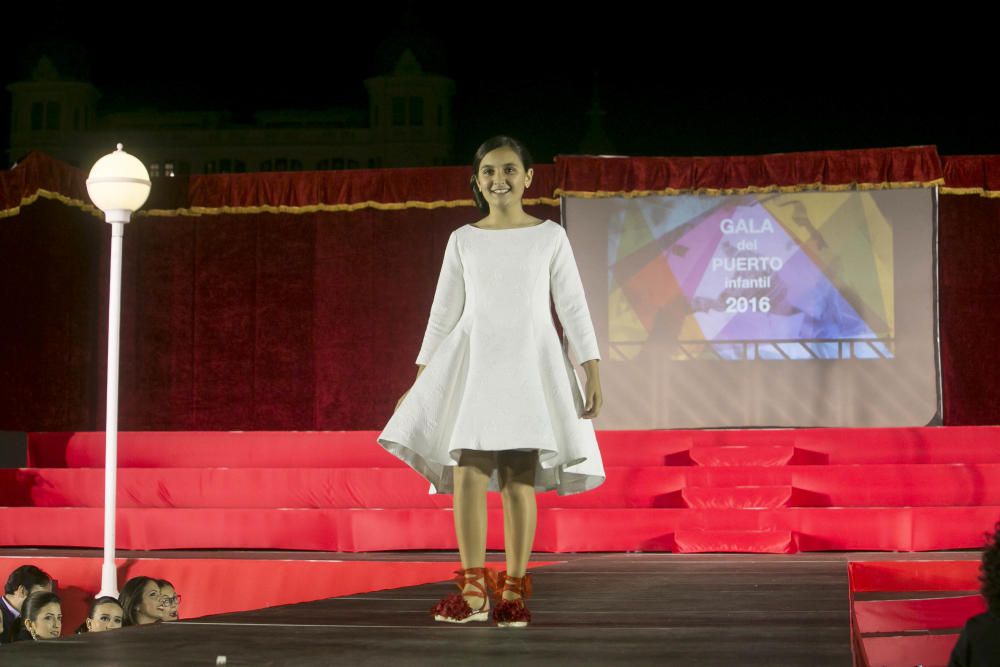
{"points": [[140, 601], [21, 583], [42, 615], [104, 614], [170, 601], [979, 643]]}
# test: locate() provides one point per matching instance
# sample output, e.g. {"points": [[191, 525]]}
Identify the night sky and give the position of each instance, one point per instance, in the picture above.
{"points": [[670, 84]]}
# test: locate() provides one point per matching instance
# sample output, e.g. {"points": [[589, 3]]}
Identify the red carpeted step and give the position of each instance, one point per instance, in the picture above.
{"points": [[288, 449], [212, 449], [741, 455], [924, 650], [735, 519], [639, 529], [882, 616], [303, 488], [810, 486], [953, 444], [559, 530], [914, 575], [737, 497], [878, 485], [282, 449], [698, 540]]}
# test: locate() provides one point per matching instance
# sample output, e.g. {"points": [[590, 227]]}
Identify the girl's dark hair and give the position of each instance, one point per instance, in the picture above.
{"points": [[96, 602], [490, 144], [35, 602], [990, 572], [131, 597]]}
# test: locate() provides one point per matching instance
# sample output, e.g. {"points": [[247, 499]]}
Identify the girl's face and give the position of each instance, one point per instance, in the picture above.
{"points": [[149, 611], [169, 603], [48, 625], [502, 178], [107, 616]]}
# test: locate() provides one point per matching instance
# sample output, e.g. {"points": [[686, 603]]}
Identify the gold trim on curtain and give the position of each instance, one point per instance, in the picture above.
{"points": [[752, 189], [196, 211]]}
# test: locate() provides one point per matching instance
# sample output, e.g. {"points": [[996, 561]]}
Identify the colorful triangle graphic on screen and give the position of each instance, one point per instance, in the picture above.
{"points": [[746, 279]]}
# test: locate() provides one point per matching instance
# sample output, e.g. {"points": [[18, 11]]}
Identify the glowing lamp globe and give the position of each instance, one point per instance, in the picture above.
{"points": [[118, 185]]}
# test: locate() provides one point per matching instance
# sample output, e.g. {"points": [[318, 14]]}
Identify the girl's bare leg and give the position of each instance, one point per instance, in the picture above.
{"points": [[472, 475], [516, 473]]}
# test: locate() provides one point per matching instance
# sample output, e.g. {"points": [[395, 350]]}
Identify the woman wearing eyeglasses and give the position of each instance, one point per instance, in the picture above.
{"points": [[170, 601]]}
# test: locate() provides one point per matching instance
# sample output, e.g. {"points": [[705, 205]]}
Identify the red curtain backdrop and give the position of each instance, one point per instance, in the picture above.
{"points": [[828, 170], [298, 301], [969, 311], [972, 174]]}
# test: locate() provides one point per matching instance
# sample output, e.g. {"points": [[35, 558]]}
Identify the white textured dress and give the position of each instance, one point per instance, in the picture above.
{"points": [[496, 375]]}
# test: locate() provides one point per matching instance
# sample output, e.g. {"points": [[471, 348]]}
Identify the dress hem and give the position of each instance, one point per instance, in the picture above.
{"points": [[547, 477]]}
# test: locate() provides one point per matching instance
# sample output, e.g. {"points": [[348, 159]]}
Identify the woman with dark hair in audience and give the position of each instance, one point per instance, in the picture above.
{"points": [[170, 601], [104, 614], [140, 600], [979, 643], [43, 615]]}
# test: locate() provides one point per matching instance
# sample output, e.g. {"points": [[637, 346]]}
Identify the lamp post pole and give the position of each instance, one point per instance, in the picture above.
{"points": [[118, 184]]}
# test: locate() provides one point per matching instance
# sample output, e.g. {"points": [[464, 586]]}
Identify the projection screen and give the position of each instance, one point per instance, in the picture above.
{"points": [[762, 310]]}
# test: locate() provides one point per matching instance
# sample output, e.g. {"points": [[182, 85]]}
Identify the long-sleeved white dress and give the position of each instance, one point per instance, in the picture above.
{"points": [[497, 376]]}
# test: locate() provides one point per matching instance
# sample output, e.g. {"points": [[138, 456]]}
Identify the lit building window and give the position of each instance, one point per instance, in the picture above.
{"points": [[154, 170]]}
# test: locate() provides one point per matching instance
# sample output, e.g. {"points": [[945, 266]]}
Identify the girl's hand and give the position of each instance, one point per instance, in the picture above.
{"points": [[593, 399]]}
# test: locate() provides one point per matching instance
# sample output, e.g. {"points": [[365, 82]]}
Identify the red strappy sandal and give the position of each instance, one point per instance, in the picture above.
{"points": [[512, 613], [454, 608]]}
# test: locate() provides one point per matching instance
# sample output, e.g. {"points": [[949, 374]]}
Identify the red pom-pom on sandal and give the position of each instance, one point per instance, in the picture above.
{"points": [[512, 613], [455, 609]]}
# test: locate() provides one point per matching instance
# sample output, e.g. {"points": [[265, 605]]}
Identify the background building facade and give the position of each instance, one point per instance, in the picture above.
{"points": [[408, 123]]}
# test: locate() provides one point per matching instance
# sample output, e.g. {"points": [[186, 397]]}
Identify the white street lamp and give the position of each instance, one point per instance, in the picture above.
{"points": [[118, 185]]}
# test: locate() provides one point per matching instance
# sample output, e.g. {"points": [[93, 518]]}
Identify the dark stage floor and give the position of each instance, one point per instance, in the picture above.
{"points": [[594, 609]]}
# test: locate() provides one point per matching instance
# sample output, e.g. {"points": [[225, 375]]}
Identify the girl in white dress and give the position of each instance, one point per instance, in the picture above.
{"points": [[499, 406]]}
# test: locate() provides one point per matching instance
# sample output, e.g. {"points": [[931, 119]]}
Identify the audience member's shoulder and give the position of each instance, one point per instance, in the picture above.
{"points": [[985, 622]]}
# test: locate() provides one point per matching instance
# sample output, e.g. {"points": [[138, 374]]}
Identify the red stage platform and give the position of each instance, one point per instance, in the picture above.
{"points": [[776, 491], [930, 601]]}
